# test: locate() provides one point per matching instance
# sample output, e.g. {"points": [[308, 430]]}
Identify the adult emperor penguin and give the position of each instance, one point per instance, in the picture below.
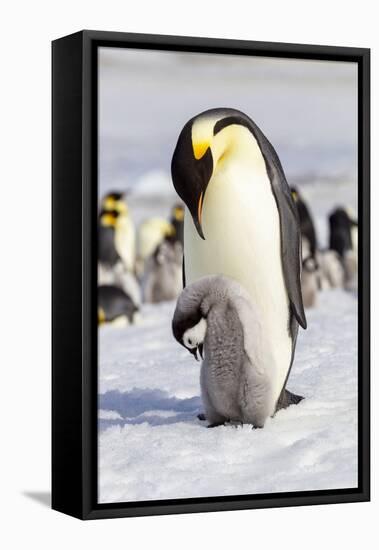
{"points": [[307, 226], [124, 234], [111, 266], [241, 222]]}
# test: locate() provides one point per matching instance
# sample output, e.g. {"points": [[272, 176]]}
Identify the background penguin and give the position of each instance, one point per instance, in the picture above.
{"points": [[163, 274], [343, 239], [124, 236], [115, 306], [215, 315], [107, 253], [340, 231], [114, 200], [309, 282], [241, 222], [307, 227], [330, 272], [151, 233], [177, 221], [111, 268]]}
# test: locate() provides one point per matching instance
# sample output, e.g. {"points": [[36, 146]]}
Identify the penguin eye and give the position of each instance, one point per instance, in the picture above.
{"points": [[190, 341]]}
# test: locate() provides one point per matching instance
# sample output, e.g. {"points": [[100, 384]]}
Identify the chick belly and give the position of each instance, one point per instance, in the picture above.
{"points": [[242, 241]]}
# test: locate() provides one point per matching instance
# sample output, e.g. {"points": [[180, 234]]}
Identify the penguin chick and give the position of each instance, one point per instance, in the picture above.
{"points": [[216, 315], [309, 282], [350, 264], [331, 271], [151, 233], [163, 274], [115, 306]]}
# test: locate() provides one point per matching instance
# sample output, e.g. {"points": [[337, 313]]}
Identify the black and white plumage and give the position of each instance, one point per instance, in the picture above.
{"points": [[107, 252], [242, 222], [307, 226], [341, 227], [115, 204], [177, 220], [215, 317], [115, 306], [112, 269], [343, 239]]}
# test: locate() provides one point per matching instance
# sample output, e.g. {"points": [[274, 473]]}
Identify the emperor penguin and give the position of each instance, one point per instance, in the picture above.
{"points": [[111, 267], [124, 234], [162, 280], [177, 220], [343, 239], [115, 306], [241, 222], [307, 226], [216, 318], [309, 281]]}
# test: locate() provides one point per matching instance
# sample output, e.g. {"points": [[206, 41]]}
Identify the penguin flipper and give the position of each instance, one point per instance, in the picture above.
{"points": [[290, 241], [286, 399]]}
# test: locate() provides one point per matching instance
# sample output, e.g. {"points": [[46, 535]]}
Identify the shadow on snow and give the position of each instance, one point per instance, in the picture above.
{"points": [[131, 405]]}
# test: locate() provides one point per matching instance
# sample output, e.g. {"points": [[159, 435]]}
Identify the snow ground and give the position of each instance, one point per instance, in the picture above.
{"points": [[151, 445]]}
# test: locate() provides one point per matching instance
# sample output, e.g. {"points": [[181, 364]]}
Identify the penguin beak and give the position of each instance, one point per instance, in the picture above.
{"points": [[197, 220], [191, 170], [200, 348], [194, 353]]}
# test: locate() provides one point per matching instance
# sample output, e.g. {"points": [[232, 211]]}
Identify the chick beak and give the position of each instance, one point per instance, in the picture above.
{"points": [[200, 348], [194, 353]]}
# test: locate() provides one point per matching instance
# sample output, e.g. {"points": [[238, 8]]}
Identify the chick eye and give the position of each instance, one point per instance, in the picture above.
{"points": [[190, 341]]}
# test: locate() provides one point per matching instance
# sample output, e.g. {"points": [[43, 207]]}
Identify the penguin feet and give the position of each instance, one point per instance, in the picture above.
{"points": [[201, 417], [288, 398]]}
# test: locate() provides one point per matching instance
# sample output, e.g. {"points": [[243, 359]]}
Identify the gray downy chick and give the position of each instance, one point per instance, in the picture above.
{"points": [[163, 274], [214, 316]]}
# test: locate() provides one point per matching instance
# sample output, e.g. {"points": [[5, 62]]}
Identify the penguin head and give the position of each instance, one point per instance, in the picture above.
{"points": [[295, 194], [203, 144], [193, 338], [108, 218], [309, 264], [177, 213], [115, 201], [189, 323]]}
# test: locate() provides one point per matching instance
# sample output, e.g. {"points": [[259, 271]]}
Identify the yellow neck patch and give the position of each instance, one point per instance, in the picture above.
{"points": [[100, 316], [107, 220]]}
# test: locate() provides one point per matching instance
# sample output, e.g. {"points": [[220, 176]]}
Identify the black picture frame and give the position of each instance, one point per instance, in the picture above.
{"points": [[74, 315]]}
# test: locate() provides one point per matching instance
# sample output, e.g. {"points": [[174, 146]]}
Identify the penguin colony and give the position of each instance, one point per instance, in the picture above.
{"points": [[247, 239], [244, 247], [132, 268]]}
